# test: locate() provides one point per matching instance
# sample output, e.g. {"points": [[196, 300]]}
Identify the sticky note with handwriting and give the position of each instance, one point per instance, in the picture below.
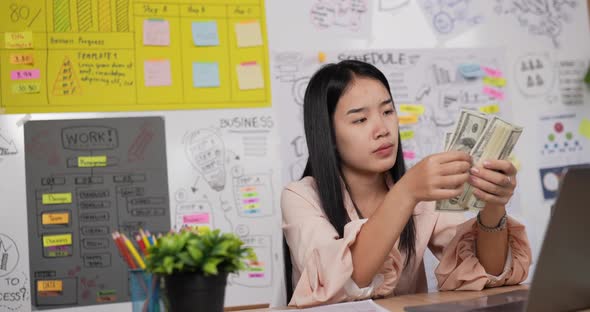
{"points": [[92, 161], [205, 74], [55, 218], [49, 285], [57, 240], [57, 198], [26, 87], [250, 76], [156, 32], [21, 59], [205, 33], [25, 74], [248, 34], [18, 40], [157, 73]]}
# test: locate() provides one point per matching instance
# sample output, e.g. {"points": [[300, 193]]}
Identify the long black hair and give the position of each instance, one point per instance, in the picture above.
{"points": [[321, 96]]}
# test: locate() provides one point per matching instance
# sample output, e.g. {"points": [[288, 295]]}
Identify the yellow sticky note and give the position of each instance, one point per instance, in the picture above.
{"points": [[490, 109], [250, 76], [57, 198], [585, 128], [248, 34], [57, 240], [92, 161], [406, 135], [494, 81], [407, 119], [50, 285], [415, 109], [26, 87], [56, 218], [18, 40], [21, 59]]}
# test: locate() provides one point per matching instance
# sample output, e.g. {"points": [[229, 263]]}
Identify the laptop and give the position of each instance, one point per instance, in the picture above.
{"points": [[561, 281]]}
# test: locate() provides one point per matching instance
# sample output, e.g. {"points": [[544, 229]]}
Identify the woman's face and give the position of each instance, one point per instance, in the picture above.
{"points": [[366, 126]]}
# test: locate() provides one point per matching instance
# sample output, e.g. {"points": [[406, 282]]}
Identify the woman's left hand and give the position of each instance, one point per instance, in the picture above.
{"points": [[494, 183]]}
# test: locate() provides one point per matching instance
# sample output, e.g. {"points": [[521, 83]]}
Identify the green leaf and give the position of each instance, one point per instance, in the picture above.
{"points": [[195, 253], [210, 266], [222, 248]]}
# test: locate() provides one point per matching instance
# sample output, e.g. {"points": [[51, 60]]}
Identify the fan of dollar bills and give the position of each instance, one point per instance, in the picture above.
{"points": [[484, 138]]}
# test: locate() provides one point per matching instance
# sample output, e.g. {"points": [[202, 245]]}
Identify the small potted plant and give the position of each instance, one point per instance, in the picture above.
{"points": [[195, 265]]}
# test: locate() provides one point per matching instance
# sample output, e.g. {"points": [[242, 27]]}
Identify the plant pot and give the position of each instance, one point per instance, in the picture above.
{"points": [[195, 292]]}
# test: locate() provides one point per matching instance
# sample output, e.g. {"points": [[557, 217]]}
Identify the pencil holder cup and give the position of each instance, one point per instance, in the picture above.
{"points": [[145, 291]]}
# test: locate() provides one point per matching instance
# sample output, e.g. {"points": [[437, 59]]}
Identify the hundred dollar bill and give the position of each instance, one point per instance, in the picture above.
{"points": [[469, 129], [497, 143]]}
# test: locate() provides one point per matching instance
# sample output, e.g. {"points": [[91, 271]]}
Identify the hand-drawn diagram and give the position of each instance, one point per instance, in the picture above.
{"points": [[7, 145], [571, 81], [450, 18], [253, 194], [259, 272], [234, 188], [63, 12], [204, 149], [347, 14], [535, 74], [545, 18], [428, 89], [102, 175], [392, 5], [9, 255], [560, 142]]}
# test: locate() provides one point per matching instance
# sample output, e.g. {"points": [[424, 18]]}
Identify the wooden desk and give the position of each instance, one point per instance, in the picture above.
{"points": [[397, 304]]}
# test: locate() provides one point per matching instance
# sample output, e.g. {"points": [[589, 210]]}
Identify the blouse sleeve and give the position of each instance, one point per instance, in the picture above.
{"points": [[453, 243]]}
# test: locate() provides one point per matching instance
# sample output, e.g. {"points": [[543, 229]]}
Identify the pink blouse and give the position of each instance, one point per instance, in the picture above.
{"points": [[322, 262]]}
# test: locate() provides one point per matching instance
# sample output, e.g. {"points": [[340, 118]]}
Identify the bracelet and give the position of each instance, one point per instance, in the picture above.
{"points": [[501, 225]]}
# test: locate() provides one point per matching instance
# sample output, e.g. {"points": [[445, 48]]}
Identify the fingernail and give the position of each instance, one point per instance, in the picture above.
{"points": [[472, 178], [486, 163], [474, 170]]}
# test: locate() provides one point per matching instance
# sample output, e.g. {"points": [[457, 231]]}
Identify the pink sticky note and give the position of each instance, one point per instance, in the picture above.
{"points": [[200, 218], [156, 32], [409, 155], [157, 73], [255, 275], [25, 74], [494, 93], [250, 200], [492, 72]]}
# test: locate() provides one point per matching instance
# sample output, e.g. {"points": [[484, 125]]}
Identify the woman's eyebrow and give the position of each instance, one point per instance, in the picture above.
{"points": [[364, 108]]}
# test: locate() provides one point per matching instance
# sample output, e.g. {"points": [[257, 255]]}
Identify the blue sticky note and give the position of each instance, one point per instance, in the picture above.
{"points": [[471, 71], [205, 75], [205, 33]]}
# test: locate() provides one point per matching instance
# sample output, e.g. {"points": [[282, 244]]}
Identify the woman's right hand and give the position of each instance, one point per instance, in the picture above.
{"points": [[436, 177]]}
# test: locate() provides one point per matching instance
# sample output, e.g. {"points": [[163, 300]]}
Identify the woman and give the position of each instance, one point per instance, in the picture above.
{"points": [[357, 224]]}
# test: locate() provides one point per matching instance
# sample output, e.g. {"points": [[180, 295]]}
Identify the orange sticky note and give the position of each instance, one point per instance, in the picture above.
{"points": [[322, 57], [248, 34], [50, 285], [407, 119], [56, 218], [21, 59], [18, 40]]}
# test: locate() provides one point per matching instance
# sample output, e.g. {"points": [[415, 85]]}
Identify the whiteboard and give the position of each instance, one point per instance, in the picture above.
{"points": [[246, 146]]}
